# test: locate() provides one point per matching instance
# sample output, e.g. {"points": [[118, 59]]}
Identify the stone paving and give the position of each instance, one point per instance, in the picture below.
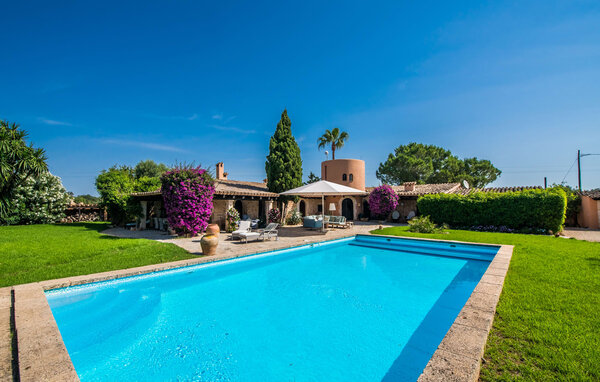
{"points": [[582, 234], [288, 237]]}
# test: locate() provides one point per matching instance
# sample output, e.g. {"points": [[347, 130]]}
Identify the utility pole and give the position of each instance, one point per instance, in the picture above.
{"points": [[579, 168], [545, 183]]}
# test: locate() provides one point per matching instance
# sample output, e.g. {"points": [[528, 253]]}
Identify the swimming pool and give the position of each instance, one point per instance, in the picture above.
{"points": [[363, 308]]}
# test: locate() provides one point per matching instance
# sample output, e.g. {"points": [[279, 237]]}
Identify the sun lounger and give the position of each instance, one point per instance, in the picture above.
{"points": [[244, 227], [269, 232]]}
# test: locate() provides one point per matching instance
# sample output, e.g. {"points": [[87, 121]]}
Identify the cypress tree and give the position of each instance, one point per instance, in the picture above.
{"points": [[284, 164]]}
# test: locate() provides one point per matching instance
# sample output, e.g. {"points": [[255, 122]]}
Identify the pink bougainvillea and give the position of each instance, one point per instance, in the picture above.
{"points": [[382, 201], [187, 194]]}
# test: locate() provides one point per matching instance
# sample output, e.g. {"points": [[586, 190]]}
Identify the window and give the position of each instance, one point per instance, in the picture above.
{"points": [[344, 177], [351, 177]]}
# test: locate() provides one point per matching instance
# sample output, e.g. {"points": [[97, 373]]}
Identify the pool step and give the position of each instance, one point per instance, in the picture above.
{"points": [[425, 247]]}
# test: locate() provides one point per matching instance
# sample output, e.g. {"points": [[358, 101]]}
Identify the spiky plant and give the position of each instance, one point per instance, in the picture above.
{"points": [[18, 161]]}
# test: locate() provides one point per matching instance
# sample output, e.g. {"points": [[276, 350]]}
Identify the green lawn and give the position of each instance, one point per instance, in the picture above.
{"points": [[547, 325], [43, 252]]}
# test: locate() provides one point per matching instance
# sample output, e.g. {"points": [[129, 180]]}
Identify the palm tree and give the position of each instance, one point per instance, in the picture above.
{"points": [[335, 138], [18, 161]]}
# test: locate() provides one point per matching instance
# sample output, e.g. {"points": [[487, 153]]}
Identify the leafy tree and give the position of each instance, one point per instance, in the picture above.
{"points": [[335, 138], [312, 178], [115, 186], [284, 164], [86, 199], [39, 200], [421, 163], [149, 169], [18, 161]]}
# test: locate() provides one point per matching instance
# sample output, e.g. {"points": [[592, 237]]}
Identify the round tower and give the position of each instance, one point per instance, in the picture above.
{"points": [[349, 172]]}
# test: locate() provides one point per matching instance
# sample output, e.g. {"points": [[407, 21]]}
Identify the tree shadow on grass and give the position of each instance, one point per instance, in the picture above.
{"points": [[594, 261], [91, 226]]}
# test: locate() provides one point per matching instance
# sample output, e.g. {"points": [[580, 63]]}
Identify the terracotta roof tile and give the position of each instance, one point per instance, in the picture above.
{"points": [[229, 187], [424, 189], [594, 194]]}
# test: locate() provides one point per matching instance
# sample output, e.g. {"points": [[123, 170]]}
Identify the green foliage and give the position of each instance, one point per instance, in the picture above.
{"points": [[312, 178], [39, 200], [18, 161], [423, 224], [149, 169], [335, 138], [86, 199], [573, 201], [421, 163], [116, 184], [294, 218], [529, 209], [284, 164], [44, 252], [546, 323]]}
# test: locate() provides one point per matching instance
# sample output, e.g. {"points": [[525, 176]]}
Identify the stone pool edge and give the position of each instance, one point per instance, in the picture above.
{"points": [[42, 356]]}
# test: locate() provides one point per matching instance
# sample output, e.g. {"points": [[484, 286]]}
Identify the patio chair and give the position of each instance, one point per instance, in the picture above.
{"points": [[244, 227], [269, 231]]}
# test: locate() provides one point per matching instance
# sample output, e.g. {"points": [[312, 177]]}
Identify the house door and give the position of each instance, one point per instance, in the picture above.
{"points": [[238, 206], [348, 209], [302, 208]]}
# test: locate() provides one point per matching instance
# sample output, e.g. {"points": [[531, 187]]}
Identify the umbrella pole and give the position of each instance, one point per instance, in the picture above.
{"points": [[322, 210]]}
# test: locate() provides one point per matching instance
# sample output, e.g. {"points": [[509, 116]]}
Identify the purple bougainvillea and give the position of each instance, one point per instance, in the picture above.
{"points": [[188, 193], [382, 201]]}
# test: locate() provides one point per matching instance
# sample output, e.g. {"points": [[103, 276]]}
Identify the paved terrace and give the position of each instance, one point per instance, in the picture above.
{"points": [[288, 237]]}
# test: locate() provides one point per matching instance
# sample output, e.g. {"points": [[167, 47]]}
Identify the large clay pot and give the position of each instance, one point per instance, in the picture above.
{"points": [[209, 244], [213, 229]]}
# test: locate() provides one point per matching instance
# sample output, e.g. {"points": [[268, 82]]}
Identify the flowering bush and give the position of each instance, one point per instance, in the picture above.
{"points": [[274, 215], [39, 200], [232, 218], [382, 201], [187, 194]]}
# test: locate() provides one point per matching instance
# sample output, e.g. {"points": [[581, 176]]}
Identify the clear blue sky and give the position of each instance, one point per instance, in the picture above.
{"points": [[102, 83]]}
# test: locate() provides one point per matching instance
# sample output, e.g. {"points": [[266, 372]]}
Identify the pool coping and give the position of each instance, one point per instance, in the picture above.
{"points": [[42, 355]]}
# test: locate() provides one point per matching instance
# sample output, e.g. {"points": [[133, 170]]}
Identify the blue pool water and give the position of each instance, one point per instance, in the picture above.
{"points": [[358, 309]]}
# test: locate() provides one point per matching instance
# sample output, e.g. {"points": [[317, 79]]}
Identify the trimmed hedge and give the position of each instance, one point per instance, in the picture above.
{"points": [[524, 210]]}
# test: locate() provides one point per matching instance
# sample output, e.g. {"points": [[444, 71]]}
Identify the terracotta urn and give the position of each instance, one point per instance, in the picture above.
{"points": [[213, 229], [209, 243]]}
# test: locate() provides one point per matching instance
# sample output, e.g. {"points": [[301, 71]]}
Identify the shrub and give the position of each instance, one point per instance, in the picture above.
{"points": [[382, 201], [39, 200], [232, 218], [274, 215], [526, 210], [423, 224], [187, 194], [294, 218]]}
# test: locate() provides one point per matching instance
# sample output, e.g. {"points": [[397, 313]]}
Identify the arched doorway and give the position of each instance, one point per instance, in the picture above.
{"points": [[302, 208], [238, 206], [348, 209]]}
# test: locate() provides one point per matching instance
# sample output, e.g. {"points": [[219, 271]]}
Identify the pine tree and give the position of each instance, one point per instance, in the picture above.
{"points": [[284, 164]]}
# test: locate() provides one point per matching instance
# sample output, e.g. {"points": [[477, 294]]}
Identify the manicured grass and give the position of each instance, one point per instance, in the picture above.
{"points": [[44, 252], [547, 325]]}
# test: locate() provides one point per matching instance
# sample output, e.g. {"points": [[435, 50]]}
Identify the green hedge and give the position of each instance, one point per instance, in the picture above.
{"points": [[530, 209]]}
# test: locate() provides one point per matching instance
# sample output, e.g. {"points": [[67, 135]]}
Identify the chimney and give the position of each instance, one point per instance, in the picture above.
{"points": [[409, 186], [221, 174]]}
